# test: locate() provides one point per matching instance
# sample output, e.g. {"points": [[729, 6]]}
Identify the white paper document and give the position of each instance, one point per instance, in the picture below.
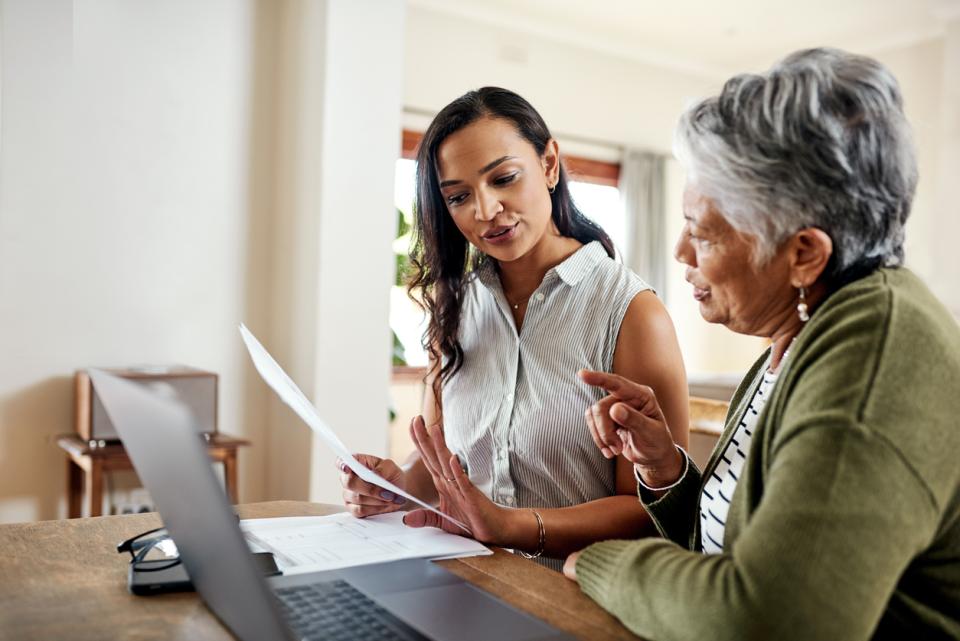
{"points": [[315, 543], [290, 394]]}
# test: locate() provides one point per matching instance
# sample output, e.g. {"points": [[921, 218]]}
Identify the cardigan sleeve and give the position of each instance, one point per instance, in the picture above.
{"points": [[841, 517], [674, 512]]}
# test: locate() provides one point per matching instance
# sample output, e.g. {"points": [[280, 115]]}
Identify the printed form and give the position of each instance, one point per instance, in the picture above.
{"points": [[315, 543]]}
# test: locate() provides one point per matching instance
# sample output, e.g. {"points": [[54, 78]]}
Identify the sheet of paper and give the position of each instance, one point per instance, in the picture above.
{"points": [[315, 543], [290, 394]]}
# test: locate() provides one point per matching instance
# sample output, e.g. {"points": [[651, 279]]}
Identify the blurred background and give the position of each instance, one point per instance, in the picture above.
{"points": [[170, 169]]}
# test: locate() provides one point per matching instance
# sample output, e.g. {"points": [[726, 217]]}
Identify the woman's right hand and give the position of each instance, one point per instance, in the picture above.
{"points": [[629, 421], [365, 499]]}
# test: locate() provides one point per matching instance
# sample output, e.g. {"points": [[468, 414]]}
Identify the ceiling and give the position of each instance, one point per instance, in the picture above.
{"points": [[713, 37]]}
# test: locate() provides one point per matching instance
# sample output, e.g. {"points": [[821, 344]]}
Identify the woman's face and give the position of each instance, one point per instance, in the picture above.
{"points": [[730, 288], [496, 187]]}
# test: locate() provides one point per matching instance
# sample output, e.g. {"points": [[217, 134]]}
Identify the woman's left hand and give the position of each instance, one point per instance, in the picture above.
{"points": [[459, 497], [570, 566]]}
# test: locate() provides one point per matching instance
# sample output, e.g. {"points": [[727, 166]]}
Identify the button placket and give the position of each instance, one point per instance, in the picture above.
{"points": [[502, 483]]}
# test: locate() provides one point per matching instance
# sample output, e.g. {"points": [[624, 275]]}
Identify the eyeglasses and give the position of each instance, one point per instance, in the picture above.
{"points": [[151, 551]]}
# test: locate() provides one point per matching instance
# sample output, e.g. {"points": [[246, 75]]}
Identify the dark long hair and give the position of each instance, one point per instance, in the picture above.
{"points": [[441, 257]]}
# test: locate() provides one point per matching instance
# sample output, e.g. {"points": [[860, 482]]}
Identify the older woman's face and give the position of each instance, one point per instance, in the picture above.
{"points": [[730, 288]]}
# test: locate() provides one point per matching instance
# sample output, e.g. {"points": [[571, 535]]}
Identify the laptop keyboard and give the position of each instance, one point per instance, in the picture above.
{"points": [[337, 611]]}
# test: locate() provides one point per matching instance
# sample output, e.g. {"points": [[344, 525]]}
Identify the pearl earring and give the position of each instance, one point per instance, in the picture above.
{"points": [[802, 305]]}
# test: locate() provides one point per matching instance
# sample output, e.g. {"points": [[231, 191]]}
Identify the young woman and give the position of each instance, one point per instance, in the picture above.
{"points": [[522, 292]]}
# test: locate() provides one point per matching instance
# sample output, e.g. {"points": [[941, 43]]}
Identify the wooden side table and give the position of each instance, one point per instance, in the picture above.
{"points": [[86, 466]]}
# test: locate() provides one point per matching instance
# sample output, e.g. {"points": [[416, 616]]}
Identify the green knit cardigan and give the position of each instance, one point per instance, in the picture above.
{"points": [[845, 523]]}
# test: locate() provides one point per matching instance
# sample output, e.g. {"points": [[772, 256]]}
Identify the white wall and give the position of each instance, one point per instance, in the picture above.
{"points": [[362, 104], [947, 265], [35, 229], [918, 69], [338, 139], [577, 91], [124, 214], [170, 169]]}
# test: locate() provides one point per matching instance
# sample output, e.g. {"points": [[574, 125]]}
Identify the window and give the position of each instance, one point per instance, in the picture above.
{"points": [[601, 203], [406, 319]]}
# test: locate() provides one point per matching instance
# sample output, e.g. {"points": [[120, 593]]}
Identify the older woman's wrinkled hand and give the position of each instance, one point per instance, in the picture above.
{"points": [[629, 421], [458, 496]]}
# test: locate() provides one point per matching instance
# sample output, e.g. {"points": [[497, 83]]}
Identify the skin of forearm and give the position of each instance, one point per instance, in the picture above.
{"points": [[573, 528]]}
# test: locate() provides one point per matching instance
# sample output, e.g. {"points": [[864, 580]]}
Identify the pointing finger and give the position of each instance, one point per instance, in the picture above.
{"points": [[616, 385]]}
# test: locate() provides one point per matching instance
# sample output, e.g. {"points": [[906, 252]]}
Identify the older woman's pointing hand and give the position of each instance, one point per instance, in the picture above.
{"points": [[629, 421]]}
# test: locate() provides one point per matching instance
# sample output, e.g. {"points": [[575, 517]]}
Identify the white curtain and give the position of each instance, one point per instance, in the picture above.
{"points": [[642, 186]]}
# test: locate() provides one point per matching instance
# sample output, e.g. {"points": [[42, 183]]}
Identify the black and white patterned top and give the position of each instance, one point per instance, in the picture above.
{"points": [[716, 495]]}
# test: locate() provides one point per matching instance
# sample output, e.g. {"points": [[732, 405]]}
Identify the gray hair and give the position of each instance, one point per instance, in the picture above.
{"points": [[820, 140]]}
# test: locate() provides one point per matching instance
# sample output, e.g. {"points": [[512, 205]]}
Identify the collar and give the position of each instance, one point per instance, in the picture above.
{"points": [[580, 263], [571, 271]]}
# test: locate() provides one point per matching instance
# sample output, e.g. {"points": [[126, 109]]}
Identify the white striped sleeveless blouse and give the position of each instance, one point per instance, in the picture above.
{"points": [[514, 411]]}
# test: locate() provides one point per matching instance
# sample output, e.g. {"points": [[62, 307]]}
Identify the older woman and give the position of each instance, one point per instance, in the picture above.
{"points": [[830, 508]]}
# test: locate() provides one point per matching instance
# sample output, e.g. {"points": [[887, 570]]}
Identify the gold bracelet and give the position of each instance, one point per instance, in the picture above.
{"points": [[542, 536]]}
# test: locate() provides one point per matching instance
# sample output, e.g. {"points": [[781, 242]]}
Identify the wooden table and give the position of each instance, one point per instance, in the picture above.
{"points": [[65, 580], [86, 466]]}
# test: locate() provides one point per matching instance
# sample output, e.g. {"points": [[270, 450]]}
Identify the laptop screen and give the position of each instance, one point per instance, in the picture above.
{"points": [[170, 458]]}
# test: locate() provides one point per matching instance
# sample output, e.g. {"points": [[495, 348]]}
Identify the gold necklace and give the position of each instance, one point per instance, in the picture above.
{"points": [[520, 302], [517, 305]]}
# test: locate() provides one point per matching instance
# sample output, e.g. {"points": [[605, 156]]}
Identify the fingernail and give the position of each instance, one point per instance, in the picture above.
{"points": [[387, 495], [620, 413], [606, 452]]}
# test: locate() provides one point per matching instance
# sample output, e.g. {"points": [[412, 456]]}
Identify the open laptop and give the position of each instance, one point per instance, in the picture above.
{"points": [[413, 599]]}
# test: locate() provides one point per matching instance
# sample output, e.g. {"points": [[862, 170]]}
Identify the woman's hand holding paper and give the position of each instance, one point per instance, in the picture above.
{"points": [[366, 499]]}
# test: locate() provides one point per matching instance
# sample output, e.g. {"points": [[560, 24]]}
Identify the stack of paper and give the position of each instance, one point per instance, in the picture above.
{"points": [[314, 543]]}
